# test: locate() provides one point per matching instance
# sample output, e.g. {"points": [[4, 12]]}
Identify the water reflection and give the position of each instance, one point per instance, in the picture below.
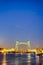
{"points": [[10, 58], [20, 59], [40, 59], [1, 58], [23, 59], [4, 59], [33, 59]]}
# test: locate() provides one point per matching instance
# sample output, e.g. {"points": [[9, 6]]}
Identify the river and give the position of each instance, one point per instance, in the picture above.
{"points": [[20, 59]]}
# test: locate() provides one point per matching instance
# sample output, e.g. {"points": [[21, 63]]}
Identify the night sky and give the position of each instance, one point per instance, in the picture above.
{"points": [[21, 20]]}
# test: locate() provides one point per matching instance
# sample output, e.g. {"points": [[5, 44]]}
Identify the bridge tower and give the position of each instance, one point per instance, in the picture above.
{"points": [[27, 43]]}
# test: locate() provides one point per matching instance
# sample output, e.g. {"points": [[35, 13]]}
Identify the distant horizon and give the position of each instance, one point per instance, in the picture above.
{"points": [[13, 46]]}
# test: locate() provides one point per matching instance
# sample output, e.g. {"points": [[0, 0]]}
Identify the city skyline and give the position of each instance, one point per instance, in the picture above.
{"points": [[21, 20]]}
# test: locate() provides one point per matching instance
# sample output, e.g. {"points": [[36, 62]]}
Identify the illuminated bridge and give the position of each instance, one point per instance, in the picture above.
{"points": [[26, 48], [22, 46]]}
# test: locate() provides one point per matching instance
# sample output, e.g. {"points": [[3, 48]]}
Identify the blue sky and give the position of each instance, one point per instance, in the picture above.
{"points": [[21, 20]]}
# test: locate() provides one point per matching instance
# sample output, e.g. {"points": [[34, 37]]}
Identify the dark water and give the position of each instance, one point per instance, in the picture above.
{"points": [[21, 59]]}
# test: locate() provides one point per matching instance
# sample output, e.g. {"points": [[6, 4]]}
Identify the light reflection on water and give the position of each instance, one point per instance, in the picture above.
{"points": [[20, 59], [4, 60]]}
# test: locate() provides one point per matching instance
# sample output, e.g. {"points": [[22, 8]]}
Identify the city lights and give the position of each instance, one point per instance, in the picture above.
{"points": [[22, 50]]}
